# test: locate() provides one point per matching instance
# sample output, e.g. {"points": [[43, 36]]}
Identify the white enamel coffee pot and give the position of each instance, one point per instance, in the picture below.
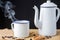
{"points": [[46, 23]]}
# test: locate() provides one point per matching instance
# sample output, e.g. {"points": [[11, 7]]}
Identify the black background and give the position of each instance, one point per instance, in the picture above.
{"points": [[24, 11]]}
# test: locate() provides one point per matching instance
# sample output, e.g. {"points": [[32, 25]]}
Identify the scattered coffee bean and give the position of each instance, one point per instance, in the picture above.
{"points": [[13, 38], [3, 37], [30, 39], [8, 36], [19, 39], [49, 36], [34, 34], [43, 38]]}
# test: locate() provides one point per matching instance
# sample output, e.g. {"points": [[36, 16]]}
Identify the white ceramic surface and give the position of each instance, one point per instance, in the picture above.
{"points": [[46, 23], [20, 28]]}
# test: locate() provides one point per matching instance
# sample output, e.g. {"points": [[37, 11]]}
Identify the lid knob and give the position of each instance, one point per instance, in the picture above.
{"points": [[48, 1]]}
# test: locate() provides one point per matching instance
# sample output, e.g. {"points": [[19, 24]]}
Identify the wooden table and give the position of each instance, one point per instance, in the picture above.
{"points": [[9, 32]]}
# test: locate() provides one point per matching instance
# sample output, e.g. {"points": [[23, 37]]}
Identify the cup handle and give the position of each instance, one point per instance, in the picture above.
{"points": [[12, 26], [58, 15]]}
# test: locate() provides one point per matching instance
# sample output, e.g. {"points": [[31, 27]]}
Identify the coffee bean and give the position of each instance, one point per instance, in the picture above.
{"points": [[43, 38], [3, 37], [19, 39], [30, 39], [49, 36], [34, 35], [8, 36], [14, 37]]}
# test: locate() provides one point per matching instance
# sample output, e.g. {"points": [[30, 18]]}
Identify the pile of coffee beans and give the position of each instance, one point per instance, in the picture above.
{"points": [[33, 36]]}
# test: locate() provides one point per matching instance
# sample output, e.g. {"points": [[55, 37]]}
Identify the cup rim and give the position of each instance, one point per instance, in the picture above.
{"points": [[21, 21]]}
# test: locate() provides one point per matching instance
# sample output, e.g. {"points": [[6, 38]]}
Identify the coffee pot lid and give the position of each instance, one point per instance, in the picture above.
{"points": [[48, 4]]}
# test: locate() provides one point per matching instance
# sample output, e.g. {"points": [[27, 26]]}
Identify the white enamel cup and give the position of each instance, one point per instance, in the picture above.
{"points": [[20, 28]]}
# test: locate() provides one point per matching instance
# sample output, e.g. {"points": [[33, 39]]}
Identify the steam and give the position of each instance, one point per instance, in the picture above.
{"points": [[1, 3], [8, 11]]}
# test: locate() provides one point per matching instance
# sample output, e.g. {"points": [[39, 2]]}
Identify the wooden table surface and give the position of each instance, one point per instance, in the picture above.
{"points": [[9, 32]]}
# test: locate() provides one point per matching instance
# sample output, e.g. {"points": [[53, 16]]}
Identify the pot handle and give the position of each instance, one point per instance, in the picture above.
{"points": [[12, 26], [58, 15]]}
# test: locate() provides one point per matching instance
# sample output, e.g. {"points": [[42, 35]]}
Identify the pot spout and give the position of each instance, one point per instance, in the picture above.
{"points": [[37, 23]]}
